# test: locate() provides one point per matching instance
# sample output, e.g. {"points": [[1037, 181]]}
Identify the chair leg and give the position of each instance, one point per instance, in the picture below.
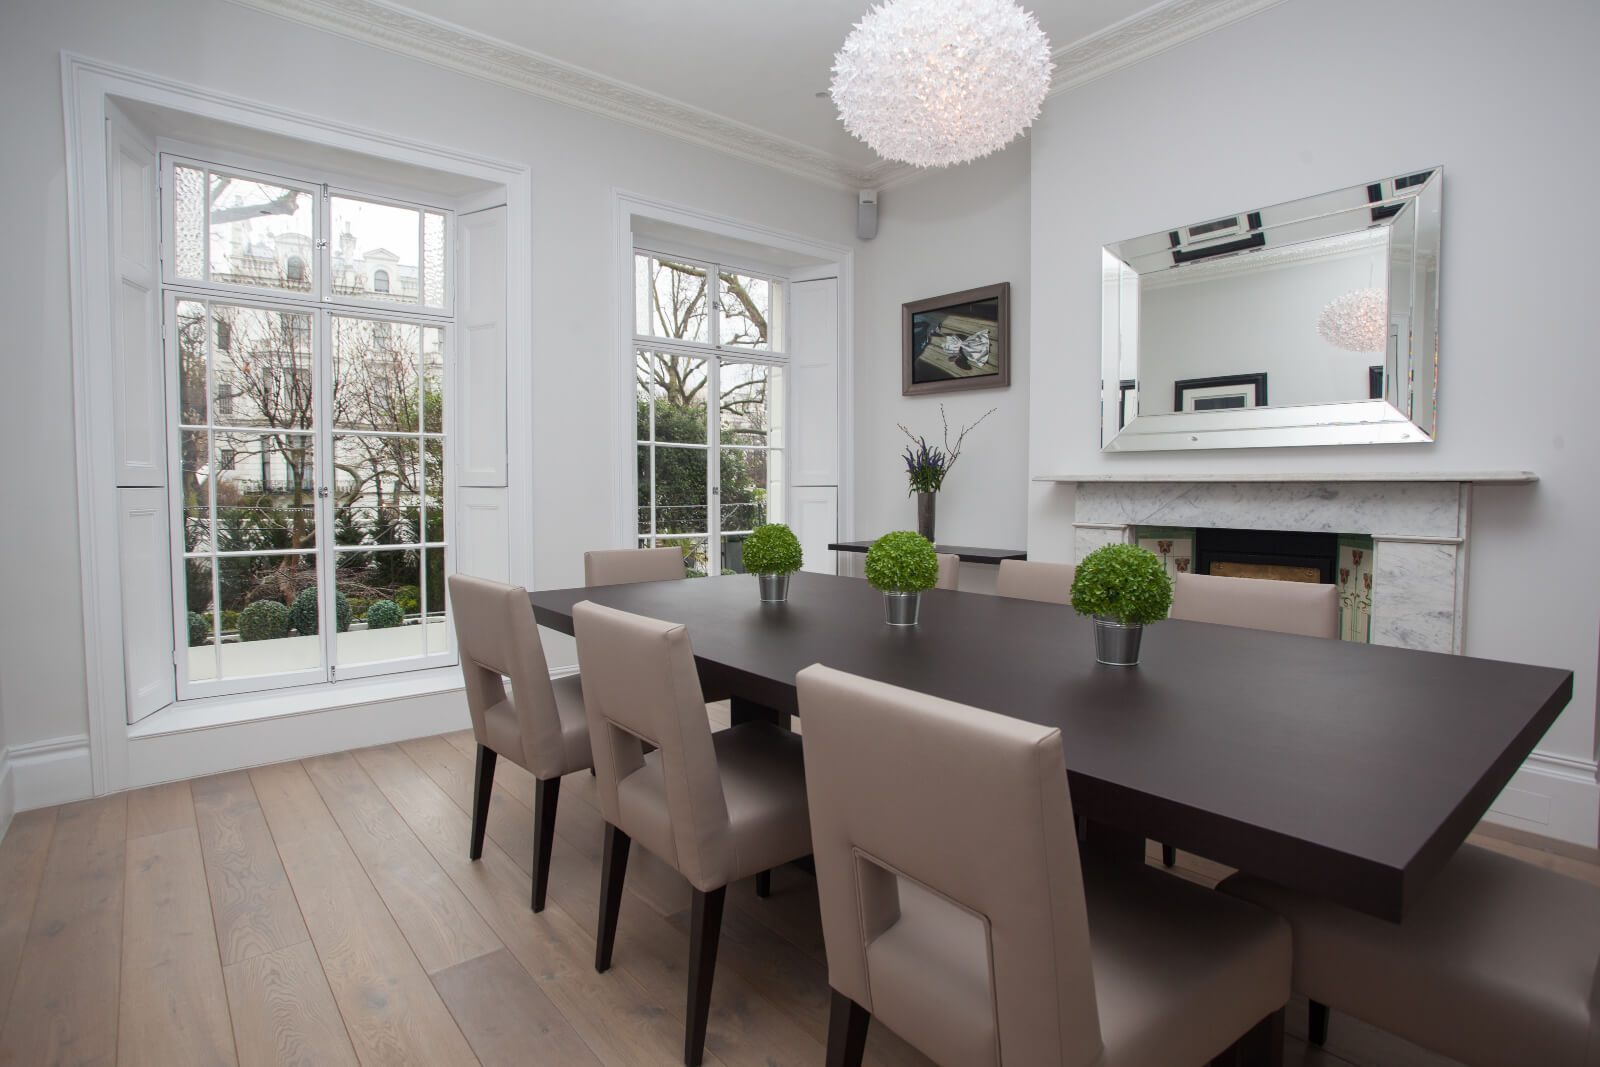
{"points": [[847, 1031], [613, 867], [483, 785], [705, 927], [764, 884], [547, 791], [1317, 1023], [1169, 855]]}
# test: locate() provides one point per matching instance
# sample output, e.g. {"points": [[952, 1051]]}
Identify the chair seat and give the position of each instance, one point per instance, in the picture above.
{"points": [[1179, 971], [504, 731], [764, 785], [1495, 964]]}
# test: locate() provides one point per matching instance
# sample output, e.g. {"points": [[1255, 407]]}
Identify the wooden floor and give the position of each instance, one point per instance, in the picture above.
{"points": [[324, 913]]}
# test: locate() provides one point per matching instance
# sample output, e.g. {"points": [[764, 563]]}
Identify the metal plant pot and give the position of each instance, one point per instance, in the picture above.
{"points": [[1115, 644], [774, 587], [900, 609]]}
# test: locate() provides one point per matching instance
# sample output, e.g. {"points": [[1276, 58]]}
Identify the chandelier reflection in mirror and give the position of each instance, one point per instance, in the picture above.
{"points": [[936, 82], [1358, 321]]}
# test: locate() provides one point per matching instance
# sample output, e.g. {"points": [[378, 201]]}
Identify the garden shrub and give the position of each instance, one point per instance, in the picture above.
{"points": [[264, 620], [199, 629], [384, 615], [303, 612]]}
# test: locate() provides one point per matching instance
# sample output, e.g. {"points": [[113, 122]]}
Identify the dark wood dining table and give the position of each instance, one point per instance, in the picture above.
{"points": [[1347, 770]]}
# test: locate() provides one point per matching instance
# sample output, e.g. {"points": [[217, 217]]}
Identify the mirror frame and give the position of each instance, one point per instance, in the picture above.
{"points": [[1411, 220]]}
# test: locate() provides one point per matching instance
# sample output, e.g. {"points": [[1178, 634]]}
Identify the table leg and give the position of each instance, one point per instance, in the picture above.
{"points": [[741, 710]]}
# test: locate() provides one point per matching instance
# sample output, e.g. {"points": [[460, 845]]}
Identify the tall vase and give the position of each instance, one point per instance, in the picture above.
{"points": [[925, 502]]}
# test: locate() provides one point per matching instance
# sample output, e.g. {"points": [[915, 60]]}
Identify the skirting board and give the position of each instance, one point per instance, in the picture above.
{"points": [[8, 802], [1552, 796], [54, 771]]}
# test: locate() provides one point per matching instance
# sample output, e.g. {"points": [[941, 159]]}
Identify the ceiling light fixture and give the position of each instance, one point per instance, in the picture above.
{"points": [[1358, 321], [936, 82]]}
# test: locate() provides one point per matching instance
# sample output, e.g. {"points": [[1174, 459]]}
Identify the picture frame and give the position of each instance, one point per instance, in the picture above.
{"points": [[1220, 392], [957, 341]]}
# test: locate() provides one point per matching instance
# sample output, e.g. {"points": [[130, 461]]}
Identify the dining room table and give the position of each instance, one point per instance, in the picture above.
{"points": [[1348, 770]]}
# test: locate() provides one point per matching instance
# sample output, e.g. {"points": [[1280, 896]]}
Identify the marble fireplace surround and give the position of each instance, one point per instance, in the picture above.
{"points": [[1418, 522]]}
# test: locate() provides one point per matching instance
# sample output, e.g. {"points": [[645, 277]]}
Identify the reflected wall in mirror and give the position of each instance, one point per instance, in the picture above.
{"points": [[1313, 322]]}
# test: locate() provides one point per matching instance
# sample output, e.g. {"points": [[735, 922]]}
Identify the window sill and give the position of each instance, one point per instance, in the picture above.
{"points": [[211, 712]]}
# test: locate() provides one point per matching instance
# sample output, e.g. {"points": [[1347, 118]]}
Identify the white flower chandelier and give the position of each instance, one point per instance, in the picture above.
{"points": [[1358, 321], [936, 82]]}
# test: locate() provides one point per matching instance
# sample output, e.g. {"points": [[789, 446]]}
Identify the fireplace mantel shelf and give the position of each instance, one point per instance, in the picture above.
{"points": [[1472, 477]]}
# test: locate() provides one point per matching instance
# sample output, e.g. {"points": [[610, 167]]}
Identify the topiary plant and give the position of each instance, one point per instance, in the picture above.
{"points": [[264, 620], [303, 612], [199, 629], [384, 615], [902, 562], [772, 549], [1123, 582]]}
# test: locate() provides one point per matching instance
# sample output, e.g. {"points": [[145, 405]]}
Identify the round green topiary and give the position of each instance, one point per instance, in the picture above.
{"points": [[264, 620], [772, 549], [902, 562], [303, 612], [199, 629], [385, 614], [1124, 582]]}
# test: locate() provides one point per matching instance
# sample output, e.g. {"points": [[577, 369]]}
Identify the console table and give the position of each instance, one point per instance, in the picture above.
{"points": [[967, 553]]}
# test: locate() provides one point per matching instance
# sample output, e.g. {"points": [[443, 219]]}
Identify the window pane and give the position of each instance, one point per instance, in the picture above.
{"points": [[377, 250], [375, 366], [256, 229], [264, 592], [694, 553], [433, 379], [751, 397], [678, 386], [434, 489], [435, 622], [263, 372], [672, 300], [744, 489], [188, 224], [433, 259], [266, 491], [385, 598], [645, 489], [681, 497], [377, 495], [191, 331], [195, 446], [746, 306], [201, 661]]}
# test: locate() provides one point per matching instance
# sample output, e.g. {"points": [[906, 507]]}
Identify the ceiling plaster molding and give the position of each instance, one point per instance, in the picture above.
{"points": [[1146, 34], [404, 32]]}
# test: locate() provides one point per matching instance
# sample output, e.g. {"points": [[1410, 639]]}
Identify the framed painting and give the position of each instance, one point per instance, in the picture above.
{"points": [[1221, 392], [956, 341]]}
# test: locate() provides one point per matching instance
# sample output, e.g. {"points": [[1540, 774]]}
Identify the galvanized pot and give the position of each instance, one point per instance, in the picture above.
{"points": [[900, 609], [774, 587], [1116, 644]]}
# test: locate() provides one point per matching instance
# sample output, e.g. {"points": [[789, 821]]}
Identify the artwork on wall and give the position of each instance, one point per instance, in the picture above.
{"points": [[956, 341], [1223, 391]]}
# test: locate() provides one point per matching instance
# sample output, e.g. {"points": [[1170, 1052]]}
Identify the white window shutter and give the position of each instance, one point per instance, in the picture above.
{"points": [[138, 372], [147, 617], [814, 377], [481, 348], [816, 524], [483, 533]]}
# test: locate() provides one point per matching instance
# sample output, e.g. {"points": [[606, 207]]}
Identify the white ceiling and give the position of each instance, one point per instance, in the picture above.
{"points": [[741, 80]]}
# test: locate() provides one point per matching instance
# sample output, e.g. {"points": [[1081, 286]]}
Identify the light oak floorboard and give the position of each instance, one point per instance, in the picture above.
{"points": [[22, 858], [159, 808], [391, 1011], [174, 1009], [64, 1006], [283, 1011], [441, 926], [252, 903], [507, 1018]]}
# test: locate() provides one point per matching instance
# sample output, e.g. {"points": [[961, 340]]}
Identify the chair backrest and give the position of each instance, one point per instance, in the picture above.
{"points": [[949, 571], [973, 806], [621, 566], [640, 684], [1257, 603], [1027, 579], [498, 638]]}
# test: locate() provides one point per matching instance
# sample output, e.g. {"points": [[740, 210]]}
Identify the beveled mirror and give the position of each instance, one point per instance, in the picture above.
{"points": [[1313, 322]]}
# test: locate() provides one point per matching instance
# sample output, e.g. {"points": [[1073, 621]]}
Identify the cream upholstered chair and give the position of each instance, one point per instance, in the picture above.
{"points": [[1497, 964], [622, 566], [949, 571], [954, 910], [716, 807], [1027, 579], [539, 725], [1257, 603]]}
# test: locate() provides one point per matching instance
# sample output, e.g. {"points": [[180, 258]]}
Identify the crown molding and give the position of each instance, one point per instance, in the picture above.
{"points": [[1146, 34], [396, 29]]}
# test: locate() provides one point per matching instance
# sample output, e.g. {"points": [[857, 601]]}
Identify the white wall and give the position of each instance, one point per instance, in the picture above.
{"points": [[946, 232], [1321, 94], [577, 162]]}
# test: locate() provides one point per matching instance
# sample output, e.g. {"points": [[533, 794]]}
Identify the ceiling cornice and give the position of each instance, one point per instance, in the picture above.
{"points": [[443, 44]]}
